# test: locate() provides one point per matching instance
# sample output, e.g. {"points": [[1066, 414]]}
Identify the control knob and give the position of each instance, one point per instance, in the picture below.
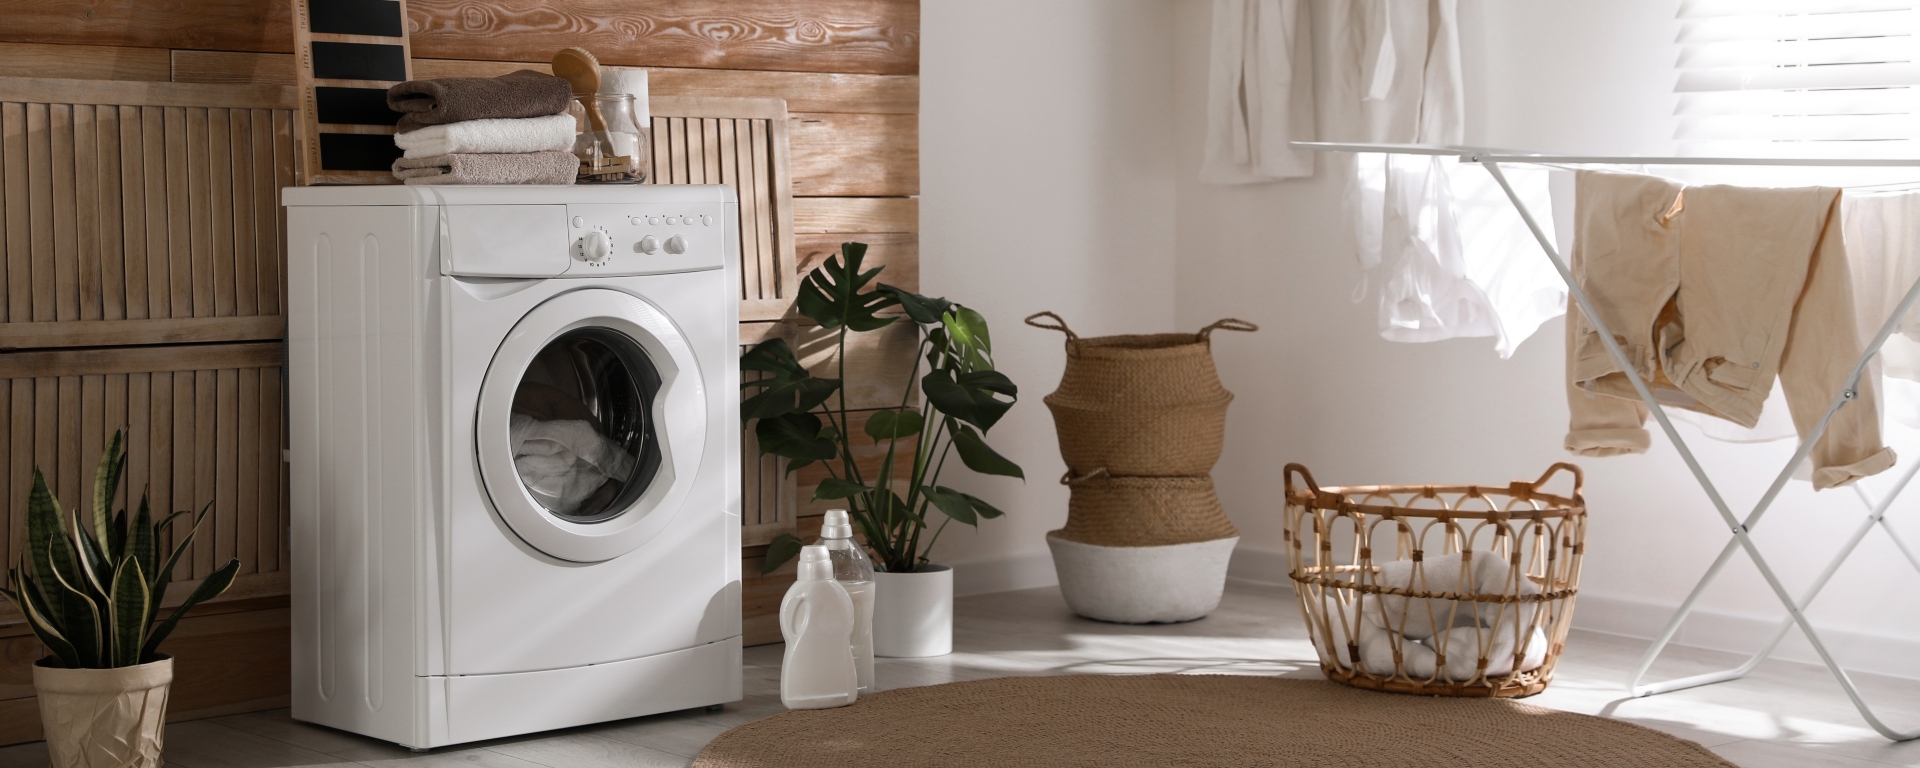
{"points": [[647, 245], [676, 244], [595, 247]]}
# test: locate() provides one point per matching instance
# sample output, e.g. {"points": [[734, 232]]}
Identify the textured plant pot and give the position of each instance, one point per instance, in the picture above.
{"points": [[913, 613], [1142, 585], [103, 718]]}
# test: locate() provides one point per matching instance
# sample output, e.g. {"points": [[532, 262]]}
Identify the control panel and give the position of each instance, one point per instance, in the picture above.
{"points": [[617, 239]]}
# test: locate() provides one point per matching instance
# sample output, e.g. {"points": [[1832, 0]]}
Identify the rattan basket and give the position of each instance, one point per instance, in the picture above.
{"points": [[1451, 590]]}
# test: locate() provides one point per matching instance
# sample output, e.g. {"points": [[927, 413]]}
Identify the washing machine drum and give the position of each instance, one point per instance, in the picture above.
{"points": [[582, 429], [589, 425]]}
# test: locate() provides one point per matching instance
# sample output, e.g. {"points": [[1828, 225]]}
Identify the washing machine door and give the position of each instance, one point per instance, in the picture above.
{"points": [[591, 425]]}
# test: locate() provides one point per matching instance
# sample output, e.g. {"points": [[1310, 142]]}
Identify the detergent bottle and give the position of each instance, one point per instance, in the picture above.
{"points": [[817, 619]]}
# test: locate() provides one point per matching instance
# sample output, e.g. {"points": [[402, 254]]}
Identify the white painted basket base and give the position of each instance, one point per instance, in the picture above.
{"points": [[1141, 585]]}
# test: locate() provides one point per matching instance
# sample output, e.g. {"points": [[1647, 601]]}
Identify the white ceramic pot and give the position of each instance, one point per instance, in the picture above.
{"points": [[101, 718], [913, 613], [1142, 585]]}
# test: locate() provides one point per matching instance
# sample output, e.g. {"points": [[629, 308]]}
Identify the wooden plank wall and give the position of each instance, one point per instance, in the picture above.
{"points": [[847, 69]]}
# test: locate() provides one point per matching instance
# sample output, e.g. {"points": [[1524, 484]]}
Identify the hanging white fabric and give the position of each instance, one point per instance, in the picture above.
{"points": [[1259, 92], [1443, 250]]}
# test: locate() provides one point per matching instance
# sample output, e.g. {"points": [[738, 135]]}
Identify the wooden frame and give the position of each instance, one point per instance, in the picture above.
{"points": [[311, 129]]}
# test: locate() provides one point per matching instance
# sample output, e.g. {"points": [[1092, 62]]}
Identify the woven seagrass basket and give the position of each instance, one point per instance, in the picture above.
{"points": [[1140, 406], [1450, 590], [1144, 511]]}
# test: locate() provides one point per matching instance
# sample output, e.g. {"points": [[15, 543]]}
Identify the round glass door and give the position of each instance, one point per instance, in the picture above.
{"points": [[591, 426], [584, 442]]}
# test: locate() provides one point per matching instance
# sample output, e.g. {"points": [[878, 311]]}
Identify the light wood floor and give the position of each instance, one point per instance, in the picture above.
{"points": [[1783, 715]]}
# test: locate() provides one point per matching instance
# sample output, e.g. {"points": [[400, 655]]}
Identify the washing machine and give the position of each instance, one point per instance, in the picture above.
{"points": [[514, 456]]}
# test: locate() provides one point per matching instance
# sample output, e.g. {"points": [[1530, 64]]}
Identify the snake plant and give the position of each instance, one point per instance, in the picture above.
{"points": [[93, 596]]}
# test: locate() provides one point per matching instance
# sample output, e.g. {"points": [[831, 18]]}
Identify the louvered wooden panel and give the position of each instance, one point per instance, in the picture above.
{"points": [[141, 213], [137, 216], [741, 143], [203, 423]]}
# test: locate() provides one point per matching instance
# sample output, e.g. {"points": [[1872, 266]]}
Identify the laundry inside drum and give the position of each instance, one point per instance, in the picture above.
{"points": [[583, 435]]}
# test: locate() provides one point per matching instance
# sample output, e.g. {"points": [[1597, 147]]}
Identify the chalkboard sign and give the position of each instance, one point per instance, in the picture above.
{"points": [[349, 52]]}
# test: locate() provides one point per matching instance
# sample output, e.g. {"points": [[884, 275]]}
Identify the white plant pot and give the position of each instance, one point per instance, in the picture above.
{"points": [[1142, 585], [913, 613], [104, 718]]}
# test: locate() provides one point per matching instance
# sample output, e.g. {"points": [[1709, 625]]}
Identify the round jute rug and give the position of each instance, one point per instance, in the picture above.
{"points": [[1189, 721]]}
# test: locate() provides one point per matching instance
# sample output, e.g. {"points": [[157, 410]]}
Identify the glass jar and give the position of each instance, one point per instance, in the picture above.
{"points": [[612, 145]]}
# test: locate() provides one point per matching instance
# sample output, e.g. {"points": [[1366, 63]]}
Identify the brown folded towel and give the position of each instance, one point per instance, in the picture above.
{"points": [[442, 100], [550, 167]]}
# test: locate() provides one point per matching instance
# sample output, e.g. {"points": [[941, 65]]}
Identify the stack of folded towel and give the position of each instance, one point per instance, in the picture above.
{"points": [[512, 129]]}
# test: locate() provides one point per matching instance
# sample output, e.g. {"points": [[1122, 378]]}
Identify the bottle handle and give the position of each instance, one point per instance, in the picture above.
{"points": [[791, 625]]}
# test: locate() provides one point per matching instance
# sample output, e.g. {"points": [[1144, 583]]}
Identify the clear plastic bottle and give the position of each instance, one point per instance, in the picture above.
{"points": [[855, 573]]}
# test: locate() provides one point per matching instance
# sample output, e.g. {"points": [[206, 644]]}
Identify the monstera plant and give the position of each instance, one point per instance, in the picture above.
{"points": [[804, 419], [92, 595]]}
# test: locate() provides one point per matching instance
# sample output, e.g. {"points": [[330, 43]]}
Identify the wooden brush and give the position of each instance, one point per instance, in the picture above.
{"points": [[581, 70]]}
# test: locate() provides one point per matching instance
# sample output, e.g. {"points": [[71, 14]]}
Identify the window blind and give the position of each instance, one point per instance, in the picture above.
{"points": [[1798, 77]]}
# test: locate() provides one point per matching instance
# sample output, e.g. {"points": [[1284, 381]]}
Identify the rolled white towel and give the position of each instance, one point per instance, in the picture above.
{"points": [[495, 136]]}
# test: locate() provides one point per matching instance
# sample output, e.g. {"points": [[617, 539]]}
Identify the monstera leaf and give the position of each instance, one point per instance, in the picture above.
{"points": [[787, 387], [795, 436], [963, 508], [923, 310], [978, 457], [832, 296], [972, 397], [893, 425]]}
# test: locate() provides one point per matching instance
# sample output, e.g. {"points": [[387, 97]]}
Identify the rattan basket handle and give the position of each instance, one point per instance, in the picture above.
{"points": [[1305, 476], [1228, 324], [1579, 478], [1059, 324]]}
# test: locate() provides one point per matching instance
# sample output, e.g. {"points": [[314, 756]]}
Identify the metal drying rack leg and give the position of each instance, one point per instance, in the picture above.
{"points": [[1739, 527]]}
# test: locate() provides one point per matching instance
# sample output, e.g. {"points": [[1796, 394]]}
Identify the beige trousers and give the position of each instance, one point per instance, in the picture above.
{"points": [[1712, 292]]}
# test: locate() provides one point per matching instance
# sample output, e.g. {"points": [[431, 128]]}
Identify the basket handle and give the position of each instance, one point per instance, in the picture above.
{"points": [[1059, 324], [1069, 478], [1579, 478], [1305, 476], [1227, 324]]}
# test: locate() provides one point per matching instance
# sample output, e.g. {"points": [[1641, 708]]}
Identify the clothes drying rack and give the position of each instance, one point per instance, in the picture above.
{"points": [[1740, 527]]}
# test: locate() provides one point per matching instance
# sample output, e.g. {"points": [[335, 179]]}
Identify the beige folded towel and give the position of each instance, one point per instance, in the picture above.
{"points": [[550, 167]]}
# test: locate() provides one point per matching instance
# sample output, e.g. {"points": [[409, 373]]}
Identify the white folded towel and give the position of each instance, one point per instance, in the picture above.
{"points": [[496, 136]]}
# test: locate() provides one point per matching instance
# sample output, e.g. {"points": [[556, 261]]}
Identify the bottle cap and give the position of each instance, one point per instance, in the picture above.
{"points": [[836, 526], [815, 563]]}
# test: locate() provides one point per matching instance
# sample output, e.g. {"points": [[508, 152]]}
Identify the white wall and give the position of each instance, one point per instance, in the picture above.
{"points": [[1046, 183], [1318, 386], [1060, 144]]}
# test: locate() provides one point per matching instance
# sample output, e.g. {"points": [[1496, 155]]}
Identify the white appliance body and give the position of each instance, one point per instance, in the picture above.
{"points": [[438, 596]]}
